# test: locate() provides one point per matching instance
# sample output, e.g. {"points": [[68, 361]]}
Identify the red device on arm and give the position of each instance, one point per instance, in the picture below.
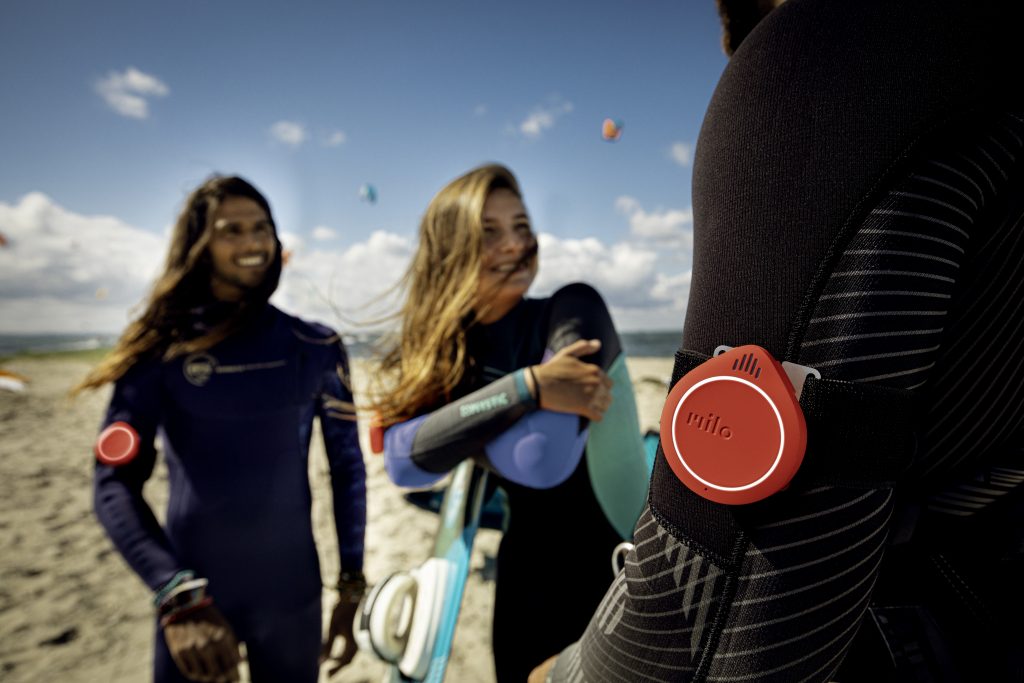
{"points": [[118, 444], [732, 429], [376, 435]]}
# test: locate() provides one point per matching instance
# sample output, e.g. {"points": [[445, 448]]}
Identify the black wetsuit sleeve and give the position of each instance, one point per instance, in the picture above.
{"points": [[348, 473], [436, 442], [577, 312], [117, 491]]}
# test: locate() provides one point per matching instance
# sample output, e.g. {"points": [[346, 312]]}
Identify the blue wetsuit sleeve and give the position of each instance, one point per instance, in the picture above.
{"points": [[117, 491], [419, 451], [540, 451], [348, 472]]}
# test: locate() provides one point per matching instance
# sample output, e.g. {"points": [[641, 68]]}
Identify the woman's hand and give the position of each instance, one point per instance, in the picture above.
{"points": [[203, 645], [567, 384]]}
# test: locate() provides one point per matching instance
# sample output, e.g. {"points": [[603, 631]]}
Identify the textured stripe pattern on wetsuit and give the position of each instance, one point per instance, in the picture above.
{"points": [[885, 316], [912, 302], [976, 418], [659, 632]]}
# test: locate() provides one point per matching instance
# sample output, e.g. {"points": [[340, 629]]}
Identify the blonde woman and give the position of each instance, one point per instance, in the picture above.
{"points": [[522, 386]]}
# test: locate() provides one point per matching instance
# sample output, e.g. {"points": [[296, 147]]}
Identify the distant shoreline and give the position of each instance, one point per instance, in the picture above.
{"points": [[651, 344]]}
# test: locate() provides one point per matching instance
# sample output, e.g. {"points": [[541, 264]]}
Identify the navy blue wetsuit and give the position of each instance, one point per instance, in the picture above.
{"points": [[236, 424], [553, 563]]}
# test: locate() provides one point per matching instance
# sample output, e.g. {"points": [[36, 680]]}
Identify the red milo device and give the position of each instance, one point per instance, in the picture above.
{"points": [[118, 444], [376, 435], [732, 429]]}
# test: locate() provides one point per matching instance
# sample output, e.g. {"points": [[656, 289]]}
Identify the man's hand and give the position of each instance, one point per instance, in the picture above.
{"points": [[341, 626], [203, 645], [570, 385]]}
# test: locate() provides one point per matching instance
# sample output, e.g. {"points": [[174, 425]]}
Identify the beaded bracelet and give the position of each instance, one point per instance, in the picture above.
{"points": [[536, 384], [176, 580], [177, 614], [351, 586], [183, 596]]}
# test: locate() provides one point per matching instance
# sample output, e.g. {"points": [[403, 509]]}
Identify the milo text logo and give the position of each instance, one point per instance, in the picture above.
{"points": [[710, 424], [199, 367]]}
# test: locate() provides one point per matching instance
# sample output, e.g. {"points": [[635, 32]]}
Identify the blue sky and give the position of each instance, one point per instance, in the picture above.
{"points": [[114, 111]]}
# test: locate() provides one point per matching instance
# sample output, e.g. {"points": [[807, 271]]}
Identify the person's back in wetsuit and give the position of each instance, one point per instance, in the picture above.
{"points": [[235, 418], [502, 413], [857, 209]]}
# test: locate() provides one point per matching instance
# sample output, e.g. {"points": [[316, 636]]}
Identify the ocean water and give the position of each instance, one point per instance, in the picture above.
{"points": [[51, 343], [659, 344], [636, 344]]}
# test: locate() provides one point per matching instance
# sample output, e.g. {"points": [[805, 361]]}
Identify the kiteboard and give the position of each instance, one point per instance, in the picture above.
{"points": [[493, 513], [408, 620]]}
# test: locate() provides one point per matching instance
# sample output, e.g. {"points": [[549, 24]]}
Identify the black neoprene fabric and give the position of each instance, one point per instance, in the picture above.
{"points": [[820, 102], [857, 208]]}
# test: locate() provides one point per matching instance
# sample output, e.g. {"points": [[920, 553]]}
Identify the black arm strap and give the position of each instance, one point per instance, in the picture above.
{"points": [[858, 435]]}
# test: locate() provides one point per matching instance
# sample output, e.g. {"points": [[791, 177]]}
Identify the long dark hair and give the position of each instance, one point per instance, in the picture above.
{"points": [[165, 328]]}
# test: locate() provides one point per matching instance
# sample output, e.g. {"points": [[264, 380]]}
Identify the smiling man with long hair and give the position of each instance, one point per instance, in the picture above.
{"points": [[232, 384]]}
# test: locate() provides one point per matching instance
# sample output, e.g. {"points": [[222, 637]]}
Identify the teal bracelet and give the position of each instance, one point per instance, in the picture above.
{"points": [[185, 595], [176, 580]]}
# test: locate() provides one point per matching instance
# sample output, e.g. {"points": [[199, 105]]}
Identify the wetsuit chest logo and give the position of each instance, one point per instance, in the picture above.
{"points": [[198, 368]]}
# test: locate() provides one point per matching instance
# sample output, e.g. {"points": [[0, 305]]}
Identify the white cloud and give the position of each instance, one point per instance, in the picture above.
{"points": [[341, 286], [126, 92], [621, 271], [480, 110], [672, 227], [289, 132], [291, 241], [629, 276], [335, 139], [323, 233], [64, 272], [673, 290], [544, 117], [681, 153]]}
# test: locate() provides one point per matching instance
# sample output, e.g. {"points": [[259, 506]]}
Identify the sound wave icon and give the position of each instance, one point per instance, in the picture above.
{"points": [[747, 363]]}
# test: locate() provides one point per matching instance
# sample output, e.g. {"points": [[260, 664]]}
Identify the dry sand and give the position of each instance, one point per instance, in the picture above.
{"points": [[71, 610]]}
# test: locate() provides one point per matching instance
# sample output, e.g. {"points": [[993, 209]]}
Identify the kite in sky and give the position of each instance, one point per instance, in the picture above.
{"points": [[368, 193], [611, 130]]}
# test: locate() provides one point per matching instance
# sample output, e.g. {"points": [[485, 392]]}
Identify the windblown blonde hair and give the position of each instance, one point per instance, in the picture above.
{"points": [[163, 329], [429, 358]]}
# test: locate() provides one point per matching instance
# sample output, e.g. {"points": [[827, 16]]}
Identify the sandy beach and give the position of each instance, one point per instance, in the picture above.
{"points": [[71, 610]]}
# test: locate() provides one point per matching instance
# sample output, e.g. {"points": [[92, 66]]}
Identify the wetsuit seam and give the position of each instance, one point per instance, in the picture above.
{"points": [[722, 612], [968, 598], [685, 538], [850, 227]]}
